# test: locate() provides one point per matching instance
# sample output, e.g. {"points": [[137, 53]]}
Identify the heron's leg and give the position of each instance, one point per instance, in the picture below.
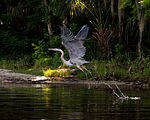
{"points": [[88, 72], [79, 67]]}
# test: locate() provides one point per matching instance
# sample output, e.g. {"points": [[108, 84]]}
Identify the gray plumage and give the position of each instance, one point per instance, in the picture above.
{"points": [[74, 46]]}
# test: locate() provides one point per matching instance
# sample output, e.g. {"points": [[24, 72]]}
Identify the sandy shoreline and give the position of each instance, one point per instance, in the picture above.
{"points": [[10, 77]]}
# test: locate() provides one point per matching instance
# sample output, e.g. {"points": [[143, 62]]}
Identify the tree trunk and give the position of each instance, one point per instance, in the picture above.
{"points": [[112, 7], [49, 28], [120, 16], [105, 2], [141, 25]]}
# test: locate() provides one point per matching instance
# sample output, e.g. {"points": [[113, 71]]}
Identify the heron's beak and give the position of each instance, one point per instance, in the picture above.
{"points": [[51, 49], [54, 49]]}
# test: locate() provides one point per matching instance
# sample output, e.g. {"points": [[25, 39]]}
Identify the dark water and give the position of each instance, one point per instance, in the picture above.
{"points": [[70, 103]]}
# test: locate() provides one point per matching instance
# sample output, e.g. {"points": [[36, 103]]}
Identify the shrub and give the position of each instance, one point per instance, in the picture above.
{"points": [[41, 50]]}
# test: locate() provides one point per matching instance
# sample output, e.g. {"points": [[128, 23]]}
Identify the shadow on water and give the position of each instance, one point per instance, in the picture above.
{"points": [[70, 103]]}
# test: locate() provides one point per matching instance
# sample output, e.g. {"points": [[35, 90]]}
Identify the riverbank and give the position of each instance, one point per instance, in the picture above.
{"points": [[10, 77]]}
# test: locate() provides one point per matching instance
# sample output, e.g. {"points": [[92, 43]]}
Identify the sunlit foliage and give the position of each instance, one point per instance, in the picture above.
{"points": [[57, 73]]}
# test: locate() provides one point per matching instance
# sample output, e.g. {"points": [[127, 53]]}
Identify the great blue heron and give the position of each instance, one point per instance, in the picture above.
{"points": [[74, 46]]}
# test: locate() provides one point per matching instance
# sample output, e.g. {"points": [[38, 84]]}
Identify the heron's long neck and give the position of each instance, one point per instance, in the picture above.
{"points": [[62, 56]]}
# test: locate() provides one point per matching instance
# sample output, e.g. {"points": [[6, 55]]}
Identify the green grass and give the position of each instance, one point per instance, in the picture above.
{"points": [[19, 66], [30, 71], [103, 69], [100, 69]]}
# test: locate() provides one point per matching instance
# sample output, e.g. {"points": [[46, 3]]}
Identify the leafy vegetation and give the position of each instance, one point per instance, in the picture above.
{"points": [[57, 73], [118, 43]]}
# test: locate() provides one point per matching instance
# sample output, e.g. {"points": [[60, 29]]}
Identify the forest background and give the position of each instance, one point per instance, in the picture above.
{"points": [[118, 43]]}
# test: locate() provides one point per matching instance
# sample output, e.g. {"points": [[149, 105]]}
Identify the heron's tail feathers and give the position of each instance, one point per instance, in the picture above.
{"points": [[82, 59], [87, 61]]}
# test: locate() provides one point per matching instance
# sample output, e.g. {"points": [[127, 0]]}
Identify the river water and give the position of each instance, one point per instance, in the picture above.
{"points": [[71, 103]]}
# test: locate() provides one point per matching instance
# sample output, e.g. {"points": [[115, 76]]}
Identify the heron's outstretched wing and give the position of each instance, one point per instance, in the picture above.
{"points": [[82, 34], [66, 34], [74, 44]]}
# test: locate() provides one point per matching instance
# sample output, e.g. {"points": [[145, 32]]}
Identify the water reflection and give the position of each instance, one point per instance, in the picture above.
{"points": [[70, 103]]}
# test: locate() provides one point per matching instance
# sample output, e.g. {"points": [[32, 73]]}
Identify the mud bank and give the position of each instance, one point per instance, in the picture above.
{"points": [[10, 77]]}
